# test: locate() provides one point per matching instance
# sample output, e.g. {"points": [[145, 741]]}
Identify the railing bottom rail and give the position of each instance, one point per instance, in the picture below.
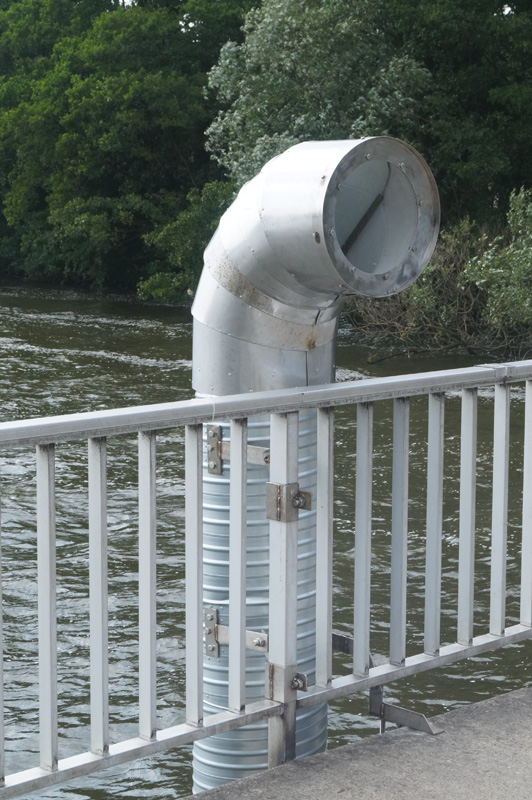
{"points": [[85, 763], [386, 673]]}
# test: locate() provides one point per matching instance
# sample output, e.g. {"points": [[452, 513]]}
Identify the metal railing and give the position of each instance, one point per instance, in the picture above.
{"points": [[281, 681]]}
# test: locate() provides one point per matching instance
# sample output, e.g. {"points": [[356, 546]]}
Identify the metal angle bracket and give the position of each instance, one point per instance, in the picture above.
{"points": [[283, 683], [219, 451], [284, 500], [214, 456], [342, 644], [402, 717], [216, 634]]}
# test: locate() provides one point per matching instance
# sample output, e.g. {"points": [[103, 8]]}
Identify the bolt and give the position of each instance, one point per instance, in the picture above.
{"points": [[298, 501], [211, 434], [297, 683], [210, 647], [210, 447], [368, 156], [259, 642], [208, 630], [212, 464], [210, 617]]}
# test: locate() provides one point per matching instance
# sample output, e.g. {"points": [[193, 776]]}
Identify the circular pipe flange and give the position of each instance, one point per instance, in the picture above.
{"points": [[381, 216]]}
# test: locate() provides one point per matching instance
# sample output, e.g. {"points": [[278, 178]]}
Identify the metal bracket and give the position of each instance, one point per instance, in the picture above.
{"points": [[210, 624], [345, 644], [216, 634], [283, 501], [342, 644], [402, 717], [300, 682], [219, 451], [283, 683], [214, 456]]}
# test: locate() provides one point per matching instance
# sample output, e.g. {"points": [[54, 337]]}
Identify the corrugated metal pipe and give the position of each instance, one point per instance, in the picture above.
{"points": [[320, 222]]}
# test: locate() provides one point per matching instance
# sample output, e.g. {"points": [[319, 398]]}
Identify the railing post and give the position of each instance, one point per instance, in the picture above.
{"points": [[99, 665], [46, 567], [194, 573], [526, 558], [499, 512], [434, 524], [363, 523], [281, 668], [2, 739], [147, 587], [398, 578], [468, 483], [324, 545], [237, 566]]}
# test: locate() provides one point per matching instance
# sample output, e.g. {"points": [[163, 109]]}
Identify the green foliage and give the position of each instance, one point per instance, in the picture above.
{"points": [[442, 309], [181, 243], [104, 176], [454, 79], [29, 30], [310, 71], [102, 114], [478, 126], [503, 272], [475, 295]]}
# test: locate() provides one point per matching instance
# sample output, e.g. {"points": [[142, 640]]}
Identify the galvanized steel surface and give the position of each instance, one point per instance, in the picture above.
{"points": [[321, 221], [243, 752]]}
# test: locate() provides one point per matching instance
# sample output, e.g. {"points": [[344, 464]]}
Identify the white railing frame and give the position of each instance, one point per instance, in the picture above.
{"points": [[145, 421]]}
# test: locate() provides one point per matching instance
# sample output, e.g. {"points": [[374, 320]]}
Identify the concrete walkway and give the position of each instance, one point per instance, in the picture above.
{"points": [[485, 753]]}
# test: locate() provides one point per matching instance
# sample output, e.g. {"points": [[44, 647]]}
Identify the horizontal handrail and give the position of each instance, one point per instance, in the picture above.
{"points": [[93, 424]]}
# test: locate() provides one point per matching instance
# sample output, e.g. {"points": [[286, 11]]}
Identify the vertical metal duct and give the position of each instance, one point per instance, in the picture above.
{"points": [[322, 221]]}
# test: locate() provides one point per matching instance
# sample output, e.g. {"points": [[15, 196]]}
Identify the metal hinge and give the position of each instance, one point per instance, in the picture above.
{"points": [[283, 501], [219, 451], [216, 635]]}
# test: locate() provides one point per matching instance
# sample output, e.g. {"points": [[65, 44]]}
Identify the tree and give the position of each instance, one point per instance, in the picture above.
{"points": [[308, 70], [29, 29], [503, 272], [108, 141], [181, 243], [478, 126], [101, 136], [453, 79]]}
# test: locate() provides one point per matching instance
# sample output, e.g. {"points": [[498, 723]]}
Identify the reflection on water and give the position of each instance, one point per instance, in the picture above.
{"points": [[62, 352]]}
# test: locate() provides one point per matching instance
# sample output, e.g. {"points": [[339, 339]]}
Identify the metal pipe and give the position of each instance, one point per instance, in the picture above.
{"points": [[320, 222]]}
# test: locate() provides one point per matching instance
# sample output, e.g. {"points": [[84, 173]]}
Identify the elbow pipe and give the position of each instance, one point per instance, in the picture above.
{"points": [[320, 222]]}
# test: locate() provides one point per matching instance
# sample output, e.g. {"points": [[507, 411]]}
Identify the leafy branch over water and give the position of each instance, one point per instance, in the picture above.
{"points": [[475, 295]]}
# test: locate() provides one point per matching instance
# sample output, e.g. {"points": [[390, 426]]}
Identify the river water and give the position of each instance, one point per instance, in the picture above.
{"points": [[64, 352]]}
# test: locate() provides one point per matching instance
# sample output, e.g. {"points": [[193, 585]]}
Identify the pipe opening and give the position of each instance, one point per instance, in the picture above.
{"points": [[376, 217]]}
